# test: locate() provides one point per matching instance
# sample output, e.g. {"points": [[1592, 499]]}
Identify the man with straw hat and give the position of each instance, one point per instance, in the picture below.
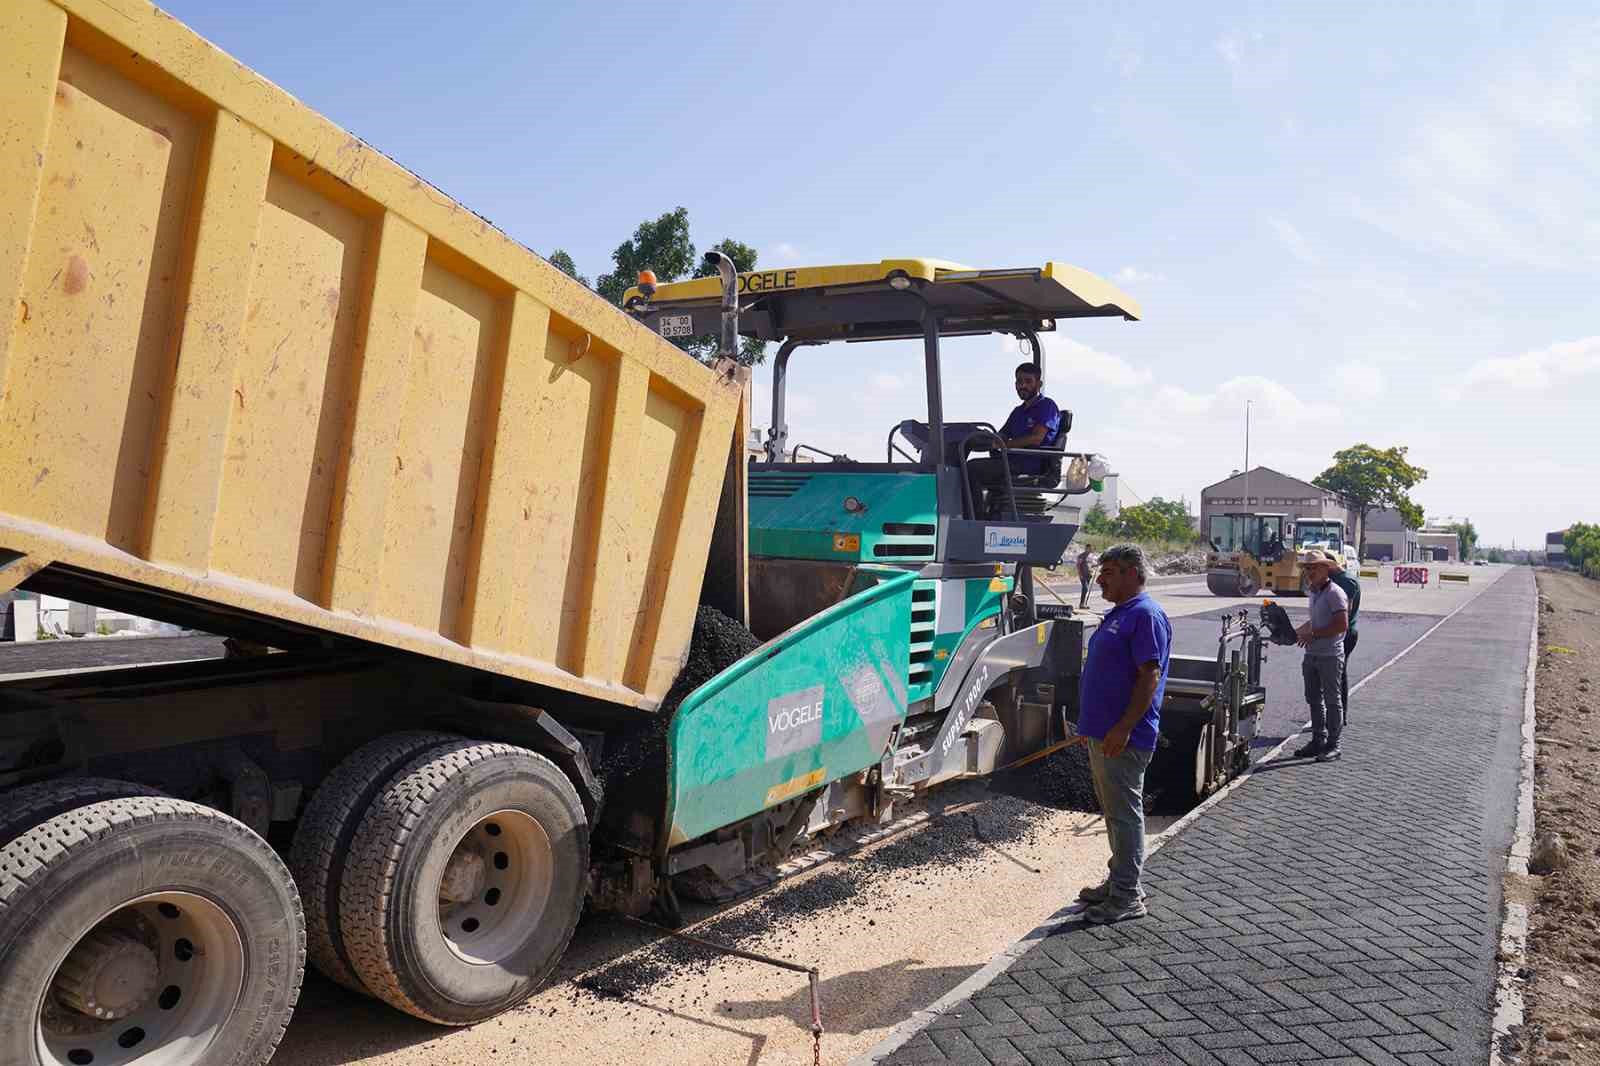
{"points": [[1323, 668]]}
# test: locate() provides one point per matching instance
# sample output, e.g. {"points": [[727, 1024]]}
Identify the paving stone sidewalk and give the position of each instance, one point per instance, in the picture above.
{"points": [[1336, 913]]}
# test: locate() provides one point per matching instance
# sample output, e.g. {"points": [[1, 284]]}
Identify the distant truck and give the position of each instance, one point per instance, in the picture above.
{"points": [[1328, 533]]}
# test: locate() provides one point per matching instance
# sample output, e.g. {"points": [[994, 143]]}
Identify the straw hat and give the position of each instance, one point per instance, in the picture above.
{"points": [[1320, 557]]}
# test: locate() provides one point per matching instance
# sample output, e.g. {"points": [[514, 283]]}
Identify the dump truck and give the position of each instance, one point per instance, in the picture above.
{"points": [[458, 518]]}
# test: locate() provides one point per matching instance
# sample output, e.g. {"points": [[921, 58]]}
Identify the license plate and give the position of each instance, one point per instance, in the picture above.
{"points": [[675, 325]]}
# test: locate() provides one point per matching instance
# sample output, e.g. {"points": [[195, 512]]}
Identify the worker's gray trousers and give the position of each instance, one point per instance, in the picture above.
{"points": [[1324, 676], [1119, 786]]}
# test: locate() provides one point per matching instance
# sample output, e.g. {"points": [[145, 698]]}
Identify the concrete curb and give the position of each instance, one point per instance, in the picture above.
{"points": [[1509, 1005], [919, 1020]]}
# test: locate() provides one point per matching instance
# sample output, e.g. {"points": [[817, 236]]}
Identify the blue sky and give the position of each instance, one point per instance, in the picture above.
{"points": [[1380, 225]]}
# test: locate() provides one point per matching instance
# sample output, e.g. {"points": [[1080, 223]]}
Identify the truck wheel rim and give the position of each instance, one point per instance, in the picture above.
{"points": [[152, 982], [494, 889]]}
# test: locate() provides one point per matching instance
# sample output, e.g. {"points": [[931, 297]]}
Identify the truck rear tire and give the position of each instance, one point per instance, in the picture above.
{"points": [[465, 881], [29, 805], [145, 929], [322, 840]]}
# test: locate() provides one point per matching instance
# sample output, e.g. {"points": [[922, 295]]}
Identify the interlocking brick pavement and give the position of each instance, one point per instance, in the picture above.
{"points": [[1336, 913]]}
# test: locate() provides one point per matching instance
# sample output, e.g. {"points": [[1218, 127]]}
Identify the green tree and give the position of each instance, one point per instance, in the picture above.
{"points": [[1466, 537], [1372, 478], [1098, 522], [1496, 555], [662, 245], [1582, 542], [1157, 519], [563, 262]]}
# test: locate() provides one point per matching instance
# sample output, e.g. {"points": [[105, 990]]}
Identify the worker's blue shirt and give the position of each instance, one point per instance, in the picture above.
{"points": [[1131, 634], [1024, 419]]}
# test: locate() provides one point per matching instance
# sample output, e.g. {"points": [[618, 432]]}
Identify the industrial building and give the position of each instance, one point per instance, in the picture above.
{"points": [[1263, 489], [1388, 539]]}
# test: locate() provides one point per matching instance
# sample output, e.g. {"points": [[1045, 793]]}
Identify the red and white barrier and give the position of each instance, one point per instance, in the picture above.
{"points": [[1411, 575]]}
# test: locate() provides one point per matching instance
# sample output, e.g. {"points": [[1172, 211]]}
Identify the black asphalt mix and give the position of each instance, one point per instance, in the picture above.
{"points": [[1331, 913]]}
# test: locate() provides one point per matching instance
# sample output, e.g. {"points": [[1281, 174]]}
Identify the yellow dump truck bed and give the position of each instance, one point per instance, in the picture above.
{"points": [[251, 362]]}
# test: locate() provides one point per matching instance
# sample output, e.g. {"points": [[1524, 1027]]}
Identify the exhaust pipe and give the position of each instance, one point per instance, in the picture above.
{"points": [[728, 345]]}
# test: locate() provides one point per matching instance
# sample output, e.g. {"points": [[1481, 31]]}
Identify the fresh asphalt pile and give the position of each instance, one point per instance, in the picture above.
{"points": [[717, 643], [1060, 781]]}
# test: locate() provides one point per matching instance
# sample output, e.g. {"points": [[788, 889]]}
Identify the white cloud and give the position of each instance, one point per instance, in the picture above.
{"points": [[1272, 403], [1070, 363], [1253, 62], [1504, 172], [1292, 239], [885, 382], [1532, 371], [781, 254], [1132, 275], [1230, 46], [1362, 291], [1360, 379]]}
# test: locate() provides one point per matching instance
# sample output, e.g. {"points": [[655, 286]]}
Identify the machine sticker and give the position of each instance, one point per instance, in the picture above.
{"points": [[867, 692], [767, 280], [952, 609], [964, 711], [1005, 540], [794, 786], [794, 722], [675, 325]]}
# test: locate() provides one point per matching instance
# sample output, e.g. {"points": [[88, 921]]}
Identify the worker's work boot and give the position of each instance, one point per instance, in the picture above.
{"points": [[1110, 911], [1309, 751], [1095, 893]]}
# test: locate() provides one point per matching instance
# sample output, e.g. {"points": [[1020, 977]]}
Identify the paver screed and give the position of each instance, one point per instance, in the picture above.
{"points": [[1342, 912]]}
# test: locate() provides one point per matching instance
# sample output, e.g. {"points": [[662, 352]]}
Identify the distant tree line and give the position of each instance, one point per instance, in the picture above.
{"points": [[1158, 519]]}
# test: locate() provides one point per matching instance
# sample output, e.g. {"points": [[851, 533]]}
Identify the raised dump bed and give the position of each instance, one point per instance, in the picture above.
{"points": [[259, 377]]}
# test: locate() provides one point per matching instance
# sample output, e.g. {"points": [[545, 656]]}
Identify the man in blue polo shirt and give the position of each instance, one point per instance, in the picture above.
{"points": [[1033, 423], [1119, 714]]}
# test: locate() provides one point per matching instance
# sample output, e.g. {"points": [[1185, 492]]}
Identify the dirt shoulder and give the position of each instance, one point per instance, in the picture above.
{"points": [[1563, 997]]}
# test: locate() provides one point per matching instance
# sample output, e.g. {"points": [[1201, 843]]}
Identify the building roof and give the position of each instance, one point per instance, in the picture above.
{"points": [[1268, 470]]}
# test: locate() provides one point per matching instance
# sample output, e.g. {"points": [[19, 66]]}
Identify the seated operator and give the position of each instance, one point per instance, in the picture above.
{"points": [[1033, 423]]}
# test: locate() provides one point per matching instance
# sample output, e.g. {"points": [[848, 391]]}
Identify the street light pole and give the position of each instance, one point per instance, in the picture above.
{"points": [[1247, 454]]}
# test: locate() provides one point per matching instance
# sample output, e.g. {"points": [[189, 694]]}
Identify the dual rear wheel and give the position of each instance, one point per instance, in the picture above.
{"points": [[441, 875], [138, 928]]}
